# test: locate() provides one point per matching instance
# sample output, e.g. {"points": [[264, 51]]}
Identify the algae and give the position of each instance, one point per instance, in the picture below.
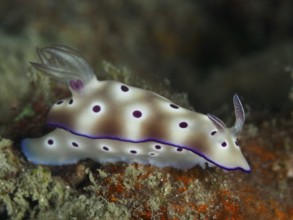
{"points": [[31, 192], [26, 112]]}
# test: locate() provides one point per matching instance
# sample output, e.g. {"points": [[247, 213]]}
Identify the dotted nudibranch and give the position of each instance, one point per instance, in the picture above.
{"points": [[109, 121]]}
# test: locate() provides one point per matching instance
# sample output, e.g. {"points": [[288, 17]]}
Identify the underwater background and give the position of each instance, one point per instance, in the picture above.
{"points": [[196, 53]]}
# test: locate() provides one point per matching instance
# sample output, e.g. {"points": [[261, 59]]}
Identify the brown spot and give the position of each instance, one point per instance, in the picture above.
{"points": [[61, 116], [111, 124], [199, 142], [155, 127]]}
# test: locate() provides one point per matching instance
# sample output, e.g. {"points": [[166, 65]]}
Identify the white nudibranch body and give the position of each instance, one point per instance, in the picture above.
{"points": [[109, 121]]}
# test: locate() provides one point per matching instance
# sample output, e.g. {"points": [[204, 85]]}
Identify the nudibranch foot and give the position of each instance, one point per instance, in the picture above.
{"points": [[110, 121], [45, 150]]}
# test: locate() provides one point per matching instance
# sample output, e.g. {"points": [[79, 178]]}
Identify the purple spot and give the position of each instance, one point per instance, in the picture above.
{"points": [[50, 142], [70, 101], [59, 102], [183, 125], [236, 143], [124, 88], [179, 149], [158, 147], [174, 106], [224, 144], [213, 132], [74, 144], [76, 85], [96, 108], [133, 151], [137, 114], [105, 148]]}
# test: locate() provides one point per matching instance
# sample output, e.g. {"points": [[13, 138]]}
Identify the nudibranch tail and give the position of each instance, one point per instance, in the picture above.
{"points": [[64, 64]]}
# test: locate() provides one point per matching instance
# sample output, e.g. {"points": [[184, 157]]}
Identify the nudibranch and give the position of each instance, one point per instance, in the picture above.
{"points": [[109, 121]]}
